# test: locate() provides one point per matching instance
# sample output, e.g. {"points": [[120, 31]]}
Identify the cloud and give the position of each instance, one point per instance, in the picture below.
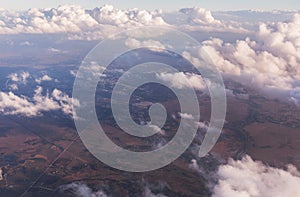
{"points": [[148, 193], [55, 50], [13, 86], [26, 43], [201, 19], [109, 15], [151, 44], [269, 61], [186, 116], [63, 19], [198, 15], [99, 23], [202, 125], [11, 104], [76, 21], [156, 129], [194, 166], [178, 80], [15, 79], [73, 73], [253, 179], [64, 101], [82, 190], [43, 78], [155, 189], [19, 77]]}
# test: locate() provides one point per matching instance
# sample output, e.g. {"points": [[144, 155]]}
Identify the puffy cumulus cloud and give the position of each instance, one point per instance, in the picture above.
{"points": [[269, 61], [63, 19], [11, 104], [76, 21], [19, 77], [244, 59], [82, 190], [43, 78], [104, 21], [254, 179], [282, 39], [15, 79], [200, 19], [198, 15], [182, 80], [125, 18], [64, 101]]}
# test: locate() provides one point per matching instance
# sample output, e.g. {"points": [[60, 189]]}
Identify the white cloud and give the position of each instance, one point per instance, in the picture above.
{"points": [[186, 116], [158, 187], [178, 80], [15, 79], [11, 104], [254, 179], [19, 77], [202, 125], [104, 21], [200, 19], [64, 101], [269, 61], [43, 78], [55, 50], [76, 21], [198, 15], [13, 86], [148, 193], [26, 43], [194, 166], [132, 17], [73, 73], [82, 190]]}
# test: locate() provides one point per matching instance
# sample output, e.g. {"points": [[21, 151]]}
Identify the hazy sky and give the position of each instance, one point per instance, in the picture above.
{"points": [[162, 4]]}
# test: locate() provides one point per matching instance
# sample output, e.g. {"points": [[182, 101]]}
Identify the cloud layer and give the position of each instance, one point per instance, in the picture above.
{"points": [[101, 22], [73, 19], [268, 61], [250, 178]]}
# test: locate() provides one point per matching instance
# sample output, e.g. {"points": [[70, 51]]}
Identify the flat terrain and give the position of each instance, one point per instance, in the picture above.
{"points": [[39, 155]]}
